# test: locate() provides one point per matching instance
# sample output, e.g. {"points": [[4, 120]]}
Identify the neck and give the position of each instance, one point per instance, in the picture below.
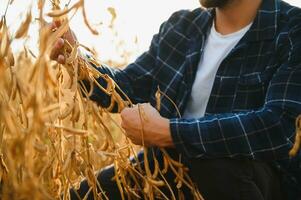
{"points": [[236, 15]]}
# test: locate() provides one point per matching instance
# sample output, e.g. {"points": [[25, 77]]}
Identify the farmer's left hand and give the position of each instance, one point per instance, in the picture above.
{"points": [[156, 130]]}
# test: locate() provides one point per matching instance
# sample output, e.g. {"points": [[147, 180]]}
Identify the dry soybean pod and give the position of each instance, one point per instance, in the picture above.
{"points": [[66, 163], [93, 31], [181, 178], [293, 152], [158, 183], [4, 42], [124, 183], [14, 89], [100, 87], [48, 77], [173, 162], [91, 179], [87, 194], [170, 100], [23, 29], [104, 146], [129, 102], [147, 189], [71, 130], [106, 131], [2, 22], [75, 111], [112, 103], [118, 181], [66, 113], [180, 183], [158, 99], [102, 192], [3, 165], [146, 163], [74, 53], [113, 14], [130, 171], [168, 186], [59, 13], [157, 167], [166, 164]]}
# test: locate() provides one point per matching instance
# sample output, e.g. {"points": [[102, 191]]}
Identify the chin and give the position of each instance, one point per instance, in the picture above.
{"points": [[214, 3]]}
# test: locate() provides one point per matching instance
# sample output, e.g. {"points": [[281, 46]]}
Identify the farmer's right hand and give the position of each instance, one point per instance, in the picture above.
{"points": [[57, 50]]}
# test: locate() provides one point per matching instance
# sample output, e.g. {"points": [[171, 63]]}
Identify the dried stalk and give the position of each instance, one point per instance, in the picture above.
{"points": [[52, 135]]}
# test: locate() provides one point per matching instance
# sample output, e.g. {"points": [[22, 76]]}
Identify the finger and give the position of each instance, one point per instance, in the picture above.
{"points": [[128, 124], [59, 43], [57, 47], [124, 113], [136, 142], [127, 134], [144, 104], [148, 106], [57, 23], [52, 26], [61, 59]]}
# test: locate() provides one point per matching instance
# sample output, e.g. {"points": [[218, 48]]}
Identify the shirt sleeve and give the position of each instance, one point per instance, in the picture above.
{"points": [[137, 78], [264, 134]]}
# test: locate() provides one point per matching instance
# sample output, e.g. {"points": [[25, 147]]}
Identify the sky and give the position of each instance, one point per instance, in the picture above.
{"points": [[136, 22]]}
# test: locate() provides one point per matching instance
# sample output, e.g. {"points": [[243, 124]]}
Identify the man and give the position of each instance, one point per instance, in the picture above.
{"points": [[234, 71]]}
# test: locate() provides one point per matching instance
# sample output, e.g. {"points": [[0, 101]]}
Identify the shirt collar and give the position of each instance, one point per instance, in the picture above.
{"points": [[265, 24]]}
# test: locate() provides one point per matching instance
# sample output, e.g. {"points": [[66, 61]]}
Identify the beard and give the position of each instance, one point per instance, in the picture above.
{"points": [[214, 3]]}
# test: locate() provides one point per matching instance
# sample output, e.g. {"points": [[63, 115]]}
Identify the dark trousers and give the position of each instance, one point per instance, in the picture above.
{"points": [[225, 179]]}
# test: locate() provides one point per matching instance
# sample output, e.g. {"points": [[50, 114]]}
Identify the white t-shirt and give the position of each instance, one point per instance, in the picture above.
{"points": [[217, 47]]}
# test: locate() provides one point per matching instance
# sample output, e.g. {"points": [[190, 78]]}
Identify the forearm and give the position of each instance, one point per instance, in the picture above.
{"points": [[262, 134], [97, 89]]}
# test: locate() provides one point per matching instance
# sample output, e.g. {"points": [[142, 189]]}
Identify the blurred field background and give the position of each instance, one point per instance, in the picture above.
{"points": [[135, 24]]}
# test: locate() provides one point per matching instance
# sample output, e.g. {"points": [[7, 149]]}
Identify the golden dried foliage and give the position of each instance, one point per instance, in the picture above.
{"points": [[113, 13], [51, 135], [22, 31]]}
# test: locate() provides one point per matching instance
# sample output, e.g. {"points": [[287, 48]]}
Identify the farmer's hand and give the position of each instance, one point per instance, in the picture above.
{"points": [[155, 127], [57, 50]]}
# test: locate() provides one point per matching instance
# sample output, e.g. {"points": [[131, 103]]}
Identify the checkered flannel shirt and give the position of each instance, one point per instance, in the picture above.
{"points": [[256, 95]]}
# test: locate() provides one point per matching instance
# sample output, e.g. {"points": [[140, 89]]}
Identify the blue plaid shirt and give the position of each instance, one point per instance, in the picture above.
{"points": [[256, 95]]}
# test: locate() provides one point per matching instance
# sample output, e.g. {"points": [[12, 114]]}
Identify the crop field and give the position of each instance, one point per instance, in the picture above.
{"points": [[52, 135]]}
